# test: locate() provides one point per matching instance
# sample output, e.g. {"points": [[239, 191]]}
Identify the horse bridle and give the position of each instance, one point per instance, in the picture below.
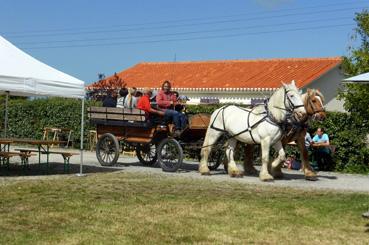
{"points": [[290, 107], [315, 110]]}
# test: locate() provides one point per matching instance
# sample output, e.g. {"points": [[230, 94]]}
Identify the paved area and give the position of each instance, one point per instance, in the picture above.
{"points": [[295, 179]]}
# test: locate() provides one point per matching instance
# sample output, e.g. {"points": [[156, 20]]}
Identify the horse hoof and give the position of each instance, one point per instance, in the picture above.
{"points": [[266, 178], [310, 175], [206, 174], [236, 175]]}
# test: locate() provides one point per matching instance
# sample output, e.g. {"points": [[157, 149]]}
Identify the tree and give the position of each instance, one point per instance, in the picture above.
{"points": [[356, 96]]}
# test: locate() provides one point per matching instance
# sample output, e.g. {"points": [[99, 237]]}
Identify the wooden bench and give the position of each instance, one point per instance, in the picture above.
{"points": [[6, 155], [66, 155]]}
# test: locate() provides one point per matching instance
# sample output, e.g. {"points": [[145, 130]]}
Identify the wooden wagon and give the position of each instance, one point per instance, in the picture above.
{"points": [[121, 129]]}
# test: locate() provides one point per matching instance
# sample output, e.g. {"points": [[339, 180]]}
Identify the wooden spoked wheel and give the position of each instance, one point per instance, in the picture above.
{"points": [[107, 150]]}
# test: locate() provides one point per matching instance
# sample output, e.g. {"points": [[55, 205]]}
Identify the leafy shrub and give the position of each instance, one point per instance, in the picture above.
{"points": [[28, 118], [348, 135]]}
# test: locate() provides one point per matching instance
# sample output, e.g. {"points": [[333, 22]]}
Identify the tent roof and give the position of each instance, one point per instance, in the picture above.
{"points": [[23, 75], [362, 78]]}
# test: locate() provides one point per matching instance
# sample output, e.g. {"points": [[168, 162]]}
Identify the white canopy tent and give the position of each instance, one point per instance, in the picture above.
{"points": [[23, 75], [360, 79]]}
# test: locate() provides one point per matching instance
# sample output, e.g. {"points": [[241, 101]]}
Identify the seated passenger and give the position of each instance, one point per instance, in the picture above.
{"points": [[110, 99], [130, 101], [122, 95], [144, 104], [180, 106], [166, 101]]}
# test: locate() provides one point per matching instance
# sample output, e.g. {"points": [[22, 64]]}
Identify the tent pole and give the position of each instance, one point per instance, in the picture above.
{"points": [[82, 130], [6, 114]]}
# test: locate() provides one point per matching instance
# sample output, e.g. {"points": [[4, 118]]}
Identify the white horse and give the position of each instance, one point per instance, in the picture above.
{"points": [[314, 106], [263, 125]]}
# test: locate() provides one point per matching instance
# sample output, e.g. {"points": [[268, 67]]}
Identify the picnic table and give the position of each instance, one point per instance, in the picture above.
{"points": [[43, 147]]}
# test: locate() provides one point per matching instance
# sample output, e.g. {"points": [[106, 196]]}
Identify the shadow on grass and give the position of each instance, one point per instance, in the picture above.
{"points": [[53, 169]]}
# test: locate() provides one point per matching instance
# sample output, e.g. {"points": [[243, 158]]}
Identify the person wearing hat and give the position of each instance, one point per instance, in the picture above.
{"points": [[167, 100], [181, 101]]}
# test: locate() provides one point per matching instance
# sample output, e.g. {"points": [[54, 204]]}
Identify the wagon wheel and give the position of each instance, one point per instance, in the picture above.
{"points": [[217, 156], [107, 150], [170, 155], [146, 153]]}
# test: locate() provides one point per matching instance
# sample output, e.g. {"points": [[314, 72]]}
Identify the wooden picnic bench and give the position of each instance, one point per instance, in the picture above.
{"points": [[6, 155], [66, 155]]}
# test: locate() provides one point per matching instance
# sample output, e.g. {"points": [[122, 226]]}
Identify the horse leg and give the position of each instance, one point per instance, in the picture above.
{"points": [[277, 163], [265, 148], [211, 138], [233, 171], [247, 160], [308, 170]]}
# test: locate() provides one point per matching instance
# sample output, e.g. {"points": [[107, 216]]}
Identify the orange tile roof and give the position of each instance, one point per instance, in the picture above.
{"points": [[266, 73]]}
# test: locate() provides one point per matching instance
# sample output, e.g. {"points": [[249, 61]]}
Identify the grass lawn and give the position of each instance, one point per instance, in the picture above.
{"points": [[131, 208]]}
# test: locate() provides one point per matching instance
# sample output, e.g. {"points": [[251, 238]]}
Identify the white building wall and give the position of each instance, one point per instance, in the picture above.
{"points": [[235, 97], [329, 84]]}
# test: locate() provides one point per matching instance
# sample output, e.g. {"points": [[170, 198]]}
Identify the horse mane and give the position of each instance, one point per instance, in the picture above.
{"points": [[320, 95]]}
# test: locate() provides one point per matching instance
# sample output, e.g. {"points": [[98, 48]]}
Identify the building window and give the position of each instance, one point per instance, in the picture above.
{"points": [[207, 100], [257, 101]]}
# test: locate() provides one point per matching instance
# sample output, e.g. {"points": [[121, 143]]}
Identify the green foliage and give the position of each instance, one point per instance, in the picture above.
{"points": [[203, 108], [356, 96], [352, 154], [28, 118], [348, 131]]}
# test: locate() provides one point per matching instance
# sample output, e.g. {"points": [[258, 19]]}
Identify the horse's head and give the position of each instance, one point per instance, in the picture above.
{"points": [[286, 104], [313, 101], [293, 102]]}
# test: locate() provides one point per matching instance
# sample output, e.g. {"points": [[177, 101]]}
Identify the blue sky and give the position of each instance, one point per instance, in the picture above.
{"points": [[87, 37]]}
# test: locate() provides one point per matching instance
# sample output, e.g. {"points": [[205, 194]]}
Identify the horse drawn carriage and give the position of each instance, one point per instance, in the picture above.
{"points": [[120, 129]]}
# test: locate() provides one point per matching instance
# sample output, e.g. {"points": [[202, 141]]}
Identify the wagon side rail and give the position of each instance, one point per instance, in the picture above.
{"points": [[117, 116]]}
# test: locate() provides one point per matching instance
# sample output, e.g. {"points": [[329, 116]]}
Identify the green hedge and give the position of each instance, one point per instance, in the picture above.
{"points": [[348, 134], [28, 118]]}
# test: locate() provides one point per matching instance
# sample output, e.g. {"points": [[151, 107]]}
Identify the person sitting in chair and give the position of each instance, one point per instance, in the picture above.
{"points": [[321, 150]]}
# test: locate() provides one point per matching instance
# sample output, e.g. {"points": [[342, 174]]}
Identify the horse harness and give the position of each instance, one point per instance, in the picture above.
{"points": [[268, 117]]}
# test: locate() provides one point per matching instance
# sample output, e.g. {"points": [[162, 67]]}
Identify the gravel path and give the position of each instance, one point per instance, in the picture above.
{"points": [[295, 179]]}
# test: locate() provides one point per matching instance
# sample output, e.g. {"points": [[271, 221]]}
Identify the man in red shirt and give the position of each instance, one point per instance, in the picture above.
{"points": [[167, 100], [144, 104]]}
